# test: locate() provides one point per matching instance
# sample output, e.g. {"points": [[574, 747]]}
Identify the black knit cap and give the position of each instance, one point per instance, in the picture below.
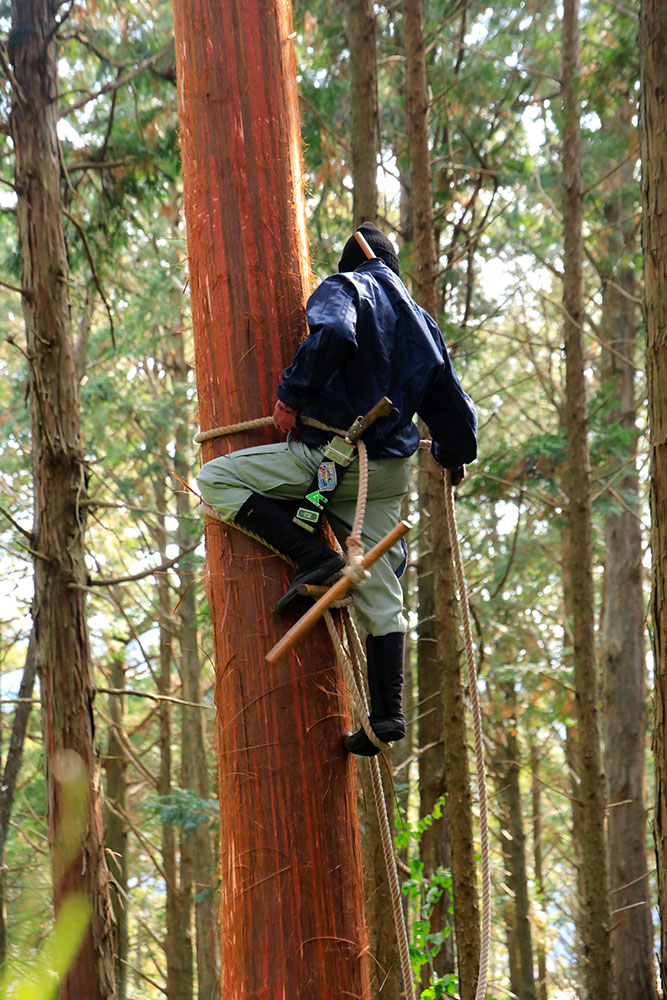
{"points": [[381, 246]]}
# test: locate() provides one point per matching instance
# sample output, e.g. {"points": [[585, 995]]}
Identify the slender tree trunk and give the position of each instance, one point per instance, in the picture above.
{"points": [[197, 847], [622, 647], [10, 773], [536, 802], [364, 110], [596, 866], [463, 860], [653, 138], [116, 840], [178, 937], [59, 478], [514, 848], [292, 892], [435, 844]]}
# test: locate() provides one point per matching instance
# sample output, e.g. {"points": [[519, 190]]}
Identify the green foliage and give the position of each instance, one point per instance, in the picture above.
{"points": [[184, 809]]}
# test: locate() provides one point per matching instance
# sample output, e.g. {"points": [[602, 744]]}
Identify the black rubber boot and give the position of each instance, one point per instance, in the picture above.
{"points": [[385, 655], [315, 562]]}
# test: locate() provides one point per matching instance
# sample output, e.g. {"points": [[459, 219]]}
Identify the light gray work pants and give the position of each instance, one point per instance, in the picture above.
{"points": [[285, 471]]}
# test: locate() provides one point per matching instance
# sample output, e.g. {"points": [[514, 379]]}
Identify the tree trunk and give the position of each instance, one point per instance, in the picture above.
{"points": [[536, 801], [453, 730], [10, 773], [59, 478], [596, 866], [292, 897], [197, 847], [653, 137], [508, 767], [622, 646], [116, 839], [178, 936], [364, 110], [459, 796], [435, 844]]}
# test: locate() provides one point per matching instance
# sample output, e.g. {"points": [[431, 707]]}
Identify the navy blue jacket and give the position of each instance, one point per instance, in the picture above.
{"points": [[368, 338]]}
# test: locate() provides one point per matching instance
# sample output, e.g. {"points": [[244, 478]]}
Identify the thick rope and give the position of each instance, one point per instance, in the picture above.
{"points": [[479, 747], [352, 664], [251, 425]]}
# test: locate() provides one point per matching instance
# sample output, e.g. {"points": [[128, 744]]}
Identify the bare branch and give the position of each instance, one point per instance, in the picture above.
{"points": [[119, 82]]}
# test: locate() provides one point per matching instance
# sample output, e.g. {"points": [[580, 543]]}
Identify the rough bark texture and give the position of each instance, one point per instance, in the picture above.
{"points": [[622, 648], [59, 477], [364, 110], [292, 899], [653, 135], [596, 866]]}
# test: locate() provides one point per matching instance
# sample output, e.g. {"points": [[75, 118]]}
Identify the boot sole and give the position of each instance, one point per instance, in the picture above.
{"points": [[318, 575]]}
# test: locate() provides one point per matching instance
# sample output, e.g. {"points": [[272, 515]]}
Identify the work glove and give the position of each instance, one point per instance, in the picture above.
{"points": [[458, 475], [284, 417]]}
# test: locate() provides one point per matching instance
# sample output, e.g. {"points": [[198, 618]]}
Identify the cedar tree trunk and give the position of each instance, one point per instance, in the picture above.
{"points": [[596, 866], [364, 110], [59, 481], [653, 138], [622, 652], [292, 899], [463, 861]]}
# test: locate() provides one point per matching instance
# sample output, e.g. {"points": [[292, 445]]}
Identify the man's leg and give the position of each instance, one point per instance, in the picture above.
{"points": [[379, 601], [243, 487]]}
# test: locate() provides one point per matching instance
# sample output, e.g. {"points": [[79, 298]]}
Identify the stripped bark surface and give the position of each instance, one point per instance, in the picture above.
{"points": [[292, 920]]}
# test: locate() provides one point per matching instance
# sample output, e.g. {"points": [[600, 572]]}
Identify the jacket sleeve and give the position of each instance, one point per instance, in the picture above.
{"points": [[331, 313], [449, 412]]}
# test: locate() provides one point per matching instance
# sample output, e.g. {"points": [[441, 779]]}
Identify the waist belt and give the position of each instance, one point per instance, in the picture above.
{"points": [[338, 455]]}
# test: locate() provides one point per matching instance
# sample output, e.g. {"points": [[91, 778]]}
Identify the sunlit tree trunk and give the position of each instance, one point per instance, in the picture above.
{"points": [[622, 640], [596, 866], [364, 110], [59, 480], [292, 919], [653, 137]]}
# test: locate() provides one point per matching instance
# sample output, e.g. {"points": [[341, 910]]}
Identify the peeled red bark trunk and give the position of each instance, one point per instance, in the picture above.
{"points": [[59, 480], [653, 138], [291, 908], [364, 110], [622, 652], [592, 789]]}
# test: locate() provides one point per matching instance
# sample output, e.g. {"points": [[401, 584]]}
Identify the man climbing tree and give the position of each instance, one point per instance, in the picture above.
{"points": [[368, 339]]}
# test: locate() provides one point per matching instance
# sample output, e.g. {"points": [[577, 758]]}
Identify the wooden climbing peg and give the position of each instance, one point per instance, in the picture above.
{"points": [[306, 622]]}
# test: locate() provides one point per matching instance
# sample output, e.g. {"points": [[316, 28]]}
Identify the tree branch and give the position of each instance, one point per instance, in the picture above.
{"points": [[119, 82]]}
